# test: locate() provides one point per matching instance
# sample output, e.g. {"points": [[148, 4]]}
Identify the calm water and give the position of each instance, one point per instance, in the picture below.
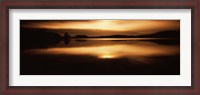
{"points": [[103, 56]]}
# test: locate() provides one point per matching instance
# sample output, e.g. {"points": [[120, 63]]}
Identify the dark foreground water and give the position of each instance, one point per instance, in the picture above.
{"points": [[103, 56]]}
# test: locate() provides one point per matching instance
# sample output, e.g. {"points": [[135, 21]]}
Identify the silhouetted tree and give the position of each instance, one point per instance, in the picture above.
{"points": [[66, 35], [37, 38]]}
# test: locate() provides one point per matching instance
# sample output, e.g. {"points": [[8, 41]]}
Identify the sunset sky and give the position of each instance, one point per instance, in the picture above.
{"points": [[104, 27]]}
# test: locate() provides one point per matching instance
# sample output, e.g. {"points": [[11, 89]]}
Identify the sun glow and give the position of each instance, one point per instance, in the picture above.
{"points": [[100, 24], [104, 25], [106, 56]]}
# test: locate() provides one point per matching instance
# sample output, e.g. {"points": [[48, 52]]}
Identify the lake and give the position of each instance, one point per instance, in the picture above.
{"points": [[103, 56]]}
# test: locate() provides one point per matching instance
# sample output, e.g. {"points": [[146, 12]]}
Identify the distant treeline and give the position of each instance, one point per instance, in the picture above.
{"points": [[162, 34]]}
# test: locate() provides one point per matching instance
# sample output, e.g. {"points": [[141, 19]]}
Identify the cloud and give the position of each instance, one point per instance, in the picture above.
{"points": [[123, 26]]}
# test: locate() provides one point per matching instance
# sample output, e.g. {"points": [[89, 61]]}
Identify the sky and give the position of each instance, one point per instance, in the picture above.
{"points": [[104, 27]]}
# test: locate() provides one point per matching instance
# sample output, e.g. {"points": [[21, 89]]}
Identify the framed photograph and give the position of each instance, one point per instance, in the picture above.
{"points": [[137, 47]]}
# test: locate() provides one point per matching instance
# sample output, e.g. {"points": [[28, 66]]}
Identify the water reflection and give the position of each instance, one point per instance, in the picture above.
{"points": [[121, 52], [114, 51]]}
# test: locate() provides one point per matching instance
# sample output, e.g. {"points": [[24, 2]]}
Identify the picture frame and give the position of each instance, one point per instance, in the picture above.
{"points": [[6, 5]]}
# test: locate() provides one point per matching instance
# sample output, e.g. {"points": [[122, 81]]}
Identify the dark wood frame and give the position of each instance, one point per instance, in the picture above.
{"points": [[99, 4]]}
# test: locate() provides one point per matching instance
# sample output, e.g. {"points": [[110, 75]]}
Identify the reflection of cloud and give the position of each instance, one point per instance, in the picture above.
{"points": [[132, 26], [113, 51]]}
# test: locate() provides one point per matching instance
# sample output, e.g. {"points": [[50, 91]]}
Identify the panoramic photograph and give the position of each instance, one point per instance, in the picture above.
{"points": [[99, 47]]}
